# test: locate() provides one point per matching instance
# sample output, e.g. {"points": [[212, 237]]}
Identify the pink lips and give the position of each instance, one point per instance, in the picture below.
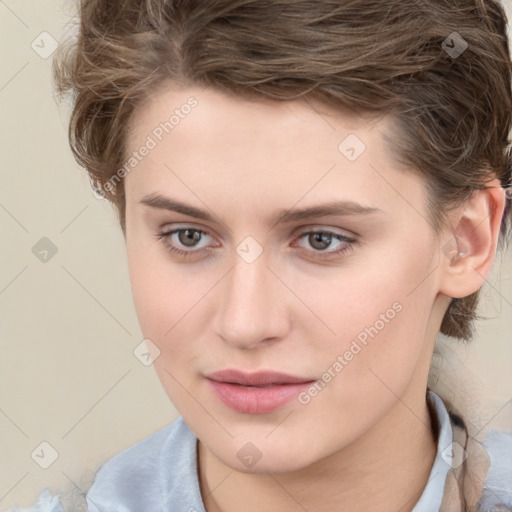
{"points": [[256, 393]]}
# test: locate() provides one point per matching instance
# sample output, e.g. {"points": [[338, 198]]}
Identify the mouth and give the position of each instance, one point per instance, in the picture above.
{"points": [[256, 393]]}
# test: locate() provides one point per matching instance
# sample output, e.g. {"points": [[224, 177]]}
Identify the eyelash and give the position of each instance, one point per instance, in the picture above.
{"points": [[348, 243]]}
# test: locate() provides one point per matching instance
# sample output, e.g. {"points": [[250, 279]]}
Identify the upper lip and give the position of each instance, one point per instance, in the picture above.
{"points": [[260, 378]]}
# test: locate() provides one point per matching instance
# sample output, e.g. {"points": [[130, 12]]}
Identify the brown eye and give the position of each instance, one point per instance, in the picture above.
{"points": [[321, 240], [189, 237]]}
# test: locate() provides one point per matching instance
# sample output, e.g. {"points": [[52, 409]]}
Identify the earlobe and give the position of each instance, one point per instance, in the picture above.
{"points": [[470, 246]]}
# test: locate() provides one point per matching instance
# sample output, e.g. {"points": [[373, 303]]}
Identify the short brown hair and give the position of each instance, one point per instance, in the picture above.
{"points": [[441, 68]]}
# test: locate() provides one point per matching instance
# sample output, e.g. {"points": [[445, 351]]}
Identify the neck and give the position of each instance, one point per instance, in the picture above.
{"points": [[387, 468]]}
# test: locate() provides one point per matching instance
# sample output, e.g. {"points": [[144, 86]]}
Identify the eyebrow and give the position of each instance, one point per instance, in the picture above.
{"points": [[159, 201]]}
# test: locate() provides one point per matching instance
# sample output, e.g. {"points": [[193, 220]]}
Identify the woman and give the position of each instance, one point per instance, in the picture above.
{"points": [[310, 192]]}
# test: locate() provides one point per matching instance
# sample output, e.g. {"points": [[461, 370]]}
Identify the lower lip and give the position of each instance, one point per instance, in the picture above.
{"points": [[256, 400]]}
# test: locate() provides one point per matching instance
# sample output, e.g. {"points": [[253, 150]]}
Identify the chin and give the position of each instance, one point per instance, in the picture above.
{"points": [[274, 465], [262, 456]]}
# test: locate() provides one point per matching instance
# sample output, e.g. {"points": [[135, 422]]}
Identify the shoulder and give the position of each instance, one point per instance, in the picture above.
{"points": [[497, 488], [138, 477], [133, 480], [145, 452], [47, 502]]}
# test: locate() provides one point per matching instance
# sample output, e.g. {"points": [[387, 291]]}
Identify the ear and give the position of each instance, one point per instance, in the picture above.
{"points": [[469, 245]]}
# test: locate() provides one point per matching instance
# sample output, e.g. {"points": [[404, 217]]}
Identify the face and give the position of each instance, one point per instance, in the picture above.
{"points": [[281, 323]]}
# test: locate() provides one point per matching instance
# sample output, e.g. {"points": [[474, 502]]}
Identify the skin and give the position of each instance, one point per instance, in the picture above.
{"points": [[365, 441]]}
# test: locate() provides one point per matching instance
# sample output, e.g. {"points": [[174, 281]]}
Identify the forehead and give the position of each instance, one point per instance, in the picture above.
{"points": [[215, 111], [278, 151]]}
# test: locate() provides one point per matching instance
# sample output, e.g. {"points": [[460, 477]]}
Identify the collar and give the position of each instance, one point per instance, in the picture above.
{"points": [[447, 453]]}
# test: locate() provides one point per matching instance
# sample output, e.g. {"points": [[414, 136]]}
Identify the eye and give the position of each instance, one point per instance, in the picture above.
{"points": [[322, 239], [186, 237]]}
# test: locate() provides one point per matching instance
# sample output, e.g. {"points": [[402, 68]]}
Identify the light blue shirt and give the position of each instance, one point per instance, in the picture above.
{"points": [[160, 473]]}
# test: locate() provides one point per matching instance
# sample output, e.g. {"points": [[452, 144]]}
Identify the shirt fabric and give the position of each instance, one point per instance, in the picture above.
{"points": [[160, 473]]}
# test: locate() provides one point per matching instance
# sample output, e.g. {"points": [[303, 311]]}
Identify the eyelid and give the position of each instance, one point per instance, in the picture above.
{"points": [[177, 226], [322, 228]]}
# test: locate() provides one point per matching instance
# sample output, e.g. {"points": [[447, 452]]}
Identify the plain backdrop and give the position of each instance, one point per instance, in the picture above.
{"points": [[69, 375]]}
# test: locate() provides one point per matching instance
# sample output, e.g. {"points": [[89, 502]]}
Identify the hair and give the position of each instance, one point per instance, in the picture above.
{"points": [[452, 111]]}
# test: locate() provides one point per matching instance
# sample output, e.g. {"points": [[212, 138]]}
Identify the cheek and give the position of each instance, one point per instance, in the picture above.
{"points": [[168, 300], [157, 291], [163, 306], [379, 312], [370, 292]]}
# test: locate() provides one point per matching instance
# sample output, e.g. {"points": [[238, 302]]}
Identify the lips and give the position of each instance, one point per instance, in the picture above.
{"points": [[256, 393]]}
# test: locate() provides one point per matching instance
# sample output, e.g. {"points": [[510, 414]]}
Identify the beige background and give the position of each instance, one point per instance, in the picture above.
{"points": [[68, 326]]}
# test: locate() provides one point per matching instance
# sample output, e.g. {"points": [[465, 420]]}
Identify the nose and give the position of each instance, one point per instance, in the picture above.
{"points": [[253, 305]]}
